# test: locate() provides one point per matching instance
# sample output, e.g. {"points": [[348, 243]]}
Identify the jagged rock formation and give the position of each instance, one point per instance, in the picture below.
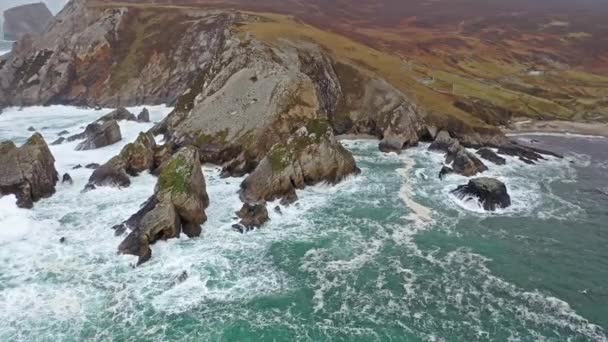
{"points": [[178, 205], [134, 158], [28, 171], [99, 135], [118, 115], [310, 156], [463, 162], [490, 155], [112, 56], [26, 19], [490, 192]]}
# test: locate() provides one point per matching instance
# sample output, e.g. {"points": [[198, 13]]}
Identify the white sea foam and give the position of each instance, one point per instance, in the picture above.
{"points": [[83, 290]]}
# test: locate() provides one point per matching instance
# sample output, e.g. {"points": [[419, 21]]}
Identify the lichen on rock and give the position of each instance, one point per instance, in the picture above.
{"points": [[178, 205]]}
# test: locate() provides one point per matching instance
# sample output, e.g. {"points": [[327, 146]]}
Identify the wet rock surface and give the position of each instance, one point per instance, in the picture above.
{"points": [[491, 193], [99, 135], [28, 172], [312, 155], [178, 205], [252, 216]]}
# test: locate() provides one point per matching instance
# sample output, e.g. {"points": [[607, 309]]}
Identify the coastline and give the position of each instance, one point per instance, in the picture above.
{"points": [[556, 127]]}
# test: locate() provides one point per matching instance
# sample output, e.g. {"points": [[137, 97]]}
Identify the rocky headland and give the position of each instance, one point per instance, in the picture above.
{"points": [[260, 104]]}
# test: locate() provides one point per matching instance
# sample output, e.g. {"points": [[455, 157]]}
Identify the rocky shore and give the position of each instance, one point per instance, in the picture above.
{"points": [[267, 111]]}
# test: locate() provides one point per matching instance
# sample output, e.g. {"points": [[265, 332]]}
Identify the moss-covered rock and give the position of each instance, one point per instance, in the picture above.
{"points": [[310, 156]]}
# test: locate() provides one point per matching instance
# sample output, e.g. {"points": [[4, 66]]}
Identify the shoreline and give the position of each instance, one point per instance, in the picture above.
{"points": [[557, 128]]}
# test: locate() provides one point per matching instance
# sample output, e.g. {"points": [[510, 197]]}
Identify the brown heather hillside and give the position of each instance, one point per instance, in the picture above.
{"points": [[492, 60]]}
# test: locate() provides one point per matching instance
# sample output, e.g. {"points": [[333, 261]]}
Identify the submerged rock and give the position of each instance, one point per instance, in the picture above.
{"points": [[28, 171], [92, 166], [490, 192], [312, 155], [31, 129], [100, 135], [178, 205]]}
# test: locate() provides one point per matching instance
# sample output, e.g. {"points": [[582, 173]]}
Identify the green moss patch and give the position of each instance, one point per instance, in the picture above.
{"points": [[175, 176]]}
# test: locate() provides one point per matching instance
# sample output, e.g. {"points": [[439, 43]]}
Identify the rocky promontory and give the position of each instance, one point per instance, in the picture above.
{"points": [[28, 171], [310, 156], [178, 205]]}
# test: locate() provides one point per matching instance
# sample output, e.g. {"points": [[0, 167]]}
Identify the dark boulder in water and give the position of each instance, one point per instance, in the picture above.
{"points": [[446, 170], [143, 116], [59, 141], [31, 129], [490, 155], [492, 193], [252, 216], [92, 166], [67, 179]]}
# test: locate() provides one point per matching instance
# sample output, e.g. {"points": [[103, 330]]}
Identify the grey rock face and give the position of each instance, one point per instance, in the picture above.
{"points": [[178, 205], [100, 135], [28, 171], [491, 193], [310, 156], [118, 115], [26, 19], [135, 158], [143, 116]]}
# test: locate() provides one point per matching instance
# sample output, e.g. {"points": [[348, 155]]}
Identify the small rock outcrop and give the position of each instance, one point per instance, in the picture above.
{"points": [[312, 155], [402, 131], [252, 216], [491, 193], [119, 114], [491, 156], [135, 157], [67, 179], [526, 154], [462, 161], [178, 205], [111, 173], [445, 171], [59, 141], [143, 116], [98, 135], [26, 19], [28, 171]]}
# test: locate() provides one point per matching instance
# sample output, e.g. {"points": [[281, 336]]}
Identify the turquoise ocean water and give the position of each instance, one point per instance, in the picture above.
{"points": [[389, 255]]}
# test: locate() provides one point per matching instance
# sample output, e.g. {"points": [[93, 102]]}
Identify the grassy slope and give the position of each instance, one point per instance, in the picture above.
{"points": [[520, 67]]}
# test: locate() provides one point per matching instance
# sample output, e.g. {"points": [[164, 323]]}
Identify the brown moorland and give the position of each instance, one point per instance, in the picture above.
{"points": [[479, 60]]}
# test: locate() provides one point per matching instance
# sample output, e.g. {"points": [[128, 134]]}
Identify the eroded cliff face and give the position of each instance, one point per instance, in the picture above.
{"points": [[112, 56], [236, 94]]}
